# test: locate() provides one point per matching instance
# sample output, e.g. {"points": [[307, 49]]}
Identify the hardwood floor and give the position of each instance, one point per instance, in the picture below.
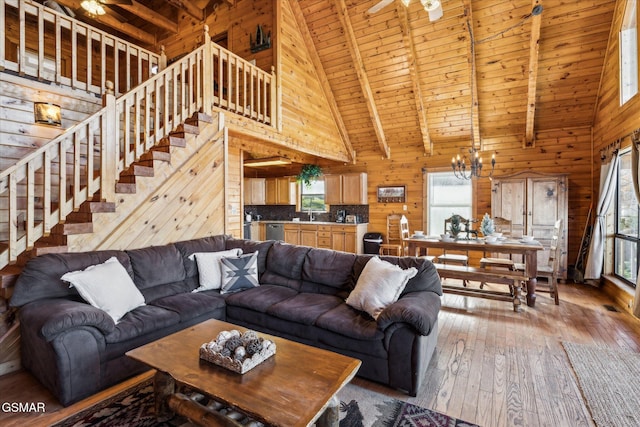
{"points": [[492, 366]]}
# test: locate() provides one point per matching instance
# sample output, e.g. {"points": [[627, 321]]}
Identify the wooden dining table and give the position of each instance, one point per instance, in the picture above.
{"points": [[420, 245]]}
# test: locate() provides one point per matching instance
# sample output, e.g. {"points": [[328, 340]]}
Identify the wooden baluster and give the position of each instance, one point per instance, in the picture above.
{"points": [[46, 192], [109, 145], [13, 216], [30, 196]]}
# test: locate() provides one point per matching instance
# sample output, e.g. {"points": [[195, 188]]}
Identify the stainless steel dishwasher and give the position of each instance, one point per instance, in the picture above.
{"points": [[275, 231]]}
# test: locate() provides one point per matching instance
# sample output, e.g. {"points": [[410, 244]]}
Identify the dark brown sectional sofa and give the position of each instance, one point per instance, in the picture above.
{"points": [[75, 349]]}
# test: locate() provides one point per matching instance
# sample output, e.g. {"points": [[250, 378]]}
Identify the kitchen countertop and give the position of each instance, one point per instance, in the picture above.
{"points": [[275, 221]]}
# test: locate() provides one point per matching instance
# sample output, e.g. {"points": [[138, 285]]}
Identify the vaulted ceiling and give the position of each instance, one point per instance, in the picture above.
{"points": [[486, 69]]}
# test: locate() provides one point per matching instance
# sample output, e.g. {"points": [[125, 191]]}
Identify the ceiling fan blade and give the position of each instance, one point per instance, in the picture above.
{"points": [[116, 2], [378, 7]]}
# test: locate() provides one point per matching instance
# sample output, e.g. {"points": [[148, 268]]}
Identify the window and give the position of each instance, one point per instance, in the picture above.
{"points": [[447, 195], [627, 237], [629, 53], [312, 198]]}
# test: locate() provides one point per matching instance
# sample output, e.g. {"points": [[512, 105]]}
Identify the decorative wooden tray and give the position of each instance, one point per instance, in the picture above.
{"points": [[236, 351]]}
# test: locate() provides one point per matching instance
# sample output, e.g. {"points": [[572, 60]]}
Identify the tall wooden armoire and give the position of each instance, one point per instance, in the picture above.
{"points": [[533, 202]]}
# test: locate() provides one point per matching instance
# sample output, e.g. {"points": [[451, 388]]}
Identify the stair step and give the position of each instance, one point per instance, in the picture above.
{"points": [[97, 206], [9, 275], [163, 156], [138, 170], [175, 139], [198, 117], [46, 248], [126, 187], [69, 228], [187, 128]]}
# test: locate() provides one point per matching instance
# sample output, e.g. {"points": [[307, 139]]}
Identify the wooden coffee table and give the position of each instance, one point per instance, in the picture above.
{"points": [[296, 387]]}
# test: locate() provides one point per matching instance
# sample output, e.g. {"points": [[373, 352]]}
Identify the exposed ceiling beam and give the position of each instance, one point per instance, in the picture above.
{"points": [[151, 16], [414, 71], [358, 63], [322, 77], [534, 46], [123, 27], [189, 7]]}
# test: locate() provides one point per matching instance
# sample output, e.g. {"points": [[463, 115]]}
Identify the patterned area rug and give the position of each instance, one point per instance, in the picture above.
{"points": [[609, 383], [358, 408]]}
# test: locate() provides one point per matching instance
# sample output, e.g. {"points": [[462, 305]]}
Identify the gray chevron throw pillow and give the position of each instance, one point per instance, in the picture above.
{"points": [[239, 273]]}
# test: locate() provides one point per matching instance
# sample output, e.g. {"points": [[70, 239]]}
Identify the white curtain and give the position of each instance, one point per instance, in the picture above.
{"points": [[608, 184], [635, 158]]}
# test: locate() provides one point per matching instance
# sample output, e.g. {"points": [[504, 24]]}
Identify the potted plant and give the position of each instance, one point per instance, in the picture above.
{"points": [[456, 225], [308, 174]]}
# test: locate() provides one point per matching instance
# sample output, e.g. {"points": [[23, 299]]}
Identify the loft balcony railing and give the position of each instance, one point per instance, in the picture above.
{"points": [[43, 188]]}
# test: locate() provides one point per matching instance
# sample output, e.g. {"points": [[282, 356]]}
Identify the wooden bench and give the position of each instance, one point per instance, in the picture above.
{"points": [[507, 277]]}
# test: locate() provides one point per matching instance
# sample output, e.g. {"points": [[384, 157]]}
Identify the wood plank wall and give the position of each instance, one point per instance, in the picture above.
{"points": [[188, 205], [613, 122], [307, 122], [562, 150]]}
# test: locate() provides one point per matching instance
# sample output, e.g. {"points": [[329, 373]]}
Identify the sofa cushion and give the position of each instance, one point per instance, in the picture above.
{"points": [[204, 244], [239, 273], [156, 265], [40, 278], [284, 265], [328, 272], [251, 246], [143, 320], [260, 298], [378, 286], [209, 271], [304, 307], [191, 305], [106, 286], [351, 323]]}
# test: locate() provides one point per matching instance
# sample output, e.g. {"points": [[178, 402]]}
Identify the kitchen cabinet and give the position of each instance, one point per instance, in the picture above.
{"points": [[533, 202], [280, 191], [347, 238], [346, 189], [254, 191]]}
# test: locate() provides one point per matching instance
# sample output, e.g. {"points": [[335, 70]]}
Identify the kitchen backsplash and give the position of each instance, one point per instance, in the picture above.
{"points": [[288, 212]]}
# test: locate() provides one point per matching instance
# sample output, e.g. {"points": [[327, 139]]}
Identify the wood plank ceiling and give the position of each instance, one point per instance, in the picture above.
{"points": [[485, 70], [479, 70]]}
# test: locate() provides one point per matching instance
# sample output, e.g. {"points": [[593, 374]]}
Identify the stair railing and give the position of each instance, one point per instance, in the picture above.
{"points": [[53, 181], [67, 51]]}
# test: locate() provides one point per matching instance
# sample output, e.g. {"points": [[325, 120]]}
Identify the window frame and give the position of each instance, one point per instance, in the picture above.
{"points": [[302, 196], [619, 237], [428, 200], [629, 24]]}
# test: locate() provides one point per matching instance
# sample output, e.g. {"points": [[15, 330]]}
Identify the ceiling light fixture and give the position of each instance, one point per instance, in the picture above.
{"points": [[93, 7], [458, 164], [267, 161]]}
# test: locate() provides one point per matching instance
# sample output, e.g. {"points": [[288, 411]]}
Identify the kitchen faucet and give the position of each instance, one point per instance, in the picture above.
{"points": [[310, 215]]}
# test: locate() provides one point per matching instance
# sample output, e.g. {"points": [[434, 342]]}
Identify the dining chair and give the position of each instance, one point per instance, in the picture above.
{"points": [[397, 232], [501, 225], [454, 257], [550, 270]]}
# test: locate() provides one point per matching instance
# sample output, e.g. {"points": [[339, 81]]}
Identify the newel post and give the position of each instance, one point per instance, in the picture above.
{"points": [[109, 145], [163, 59], [207, 73]]}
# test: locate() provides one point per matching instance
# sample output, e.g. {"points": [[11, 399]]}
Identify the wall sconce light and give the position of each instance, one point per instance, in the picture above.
{"points": [[46, 113]]}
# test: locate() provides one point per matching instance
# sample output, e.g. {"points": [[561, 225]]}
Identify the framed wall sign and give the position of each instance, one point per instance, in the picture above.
{"points": [[392, 194]]}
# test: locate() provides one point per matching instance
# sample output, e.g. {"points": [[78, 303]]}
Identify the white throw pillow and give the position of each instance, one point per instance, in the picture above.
{"points": [[379, 285], [209, 267], [107, 286]]}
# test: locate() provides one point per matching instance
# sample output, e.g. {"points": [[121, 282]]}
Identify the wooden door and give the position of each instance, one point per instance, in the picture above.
{"points": [[285, 192], [271, 191], [333, 189], [351, 242], [257, 191], [354, 189], [509, 202], [545, 206], [309, 235], [338, 241], [292, 234]]}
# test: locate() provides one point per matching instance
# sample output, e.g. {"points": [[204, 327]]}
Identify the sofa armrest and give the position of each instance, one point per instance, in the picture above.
{"points": [[419, 309], [53, 316]]}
